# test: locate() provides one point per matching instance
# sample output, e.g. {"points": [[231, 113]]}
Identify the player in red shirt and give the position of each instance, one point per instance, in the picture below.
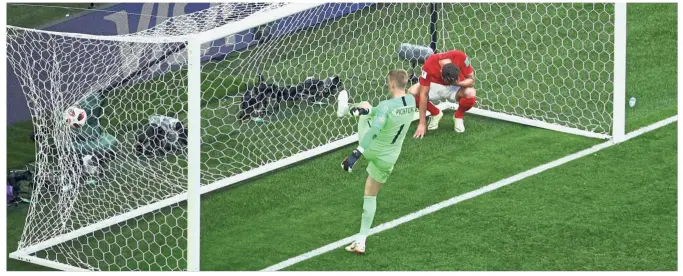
{"points": [[445, 76]]}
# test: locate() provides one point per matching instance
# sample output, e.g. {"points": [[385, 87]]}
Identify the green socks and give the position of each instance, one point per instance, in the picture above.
{"points": [[369, 207]]}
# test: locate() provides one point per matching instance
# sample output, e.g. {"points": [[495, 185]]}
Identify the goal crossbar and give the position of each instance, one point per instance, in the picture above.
{"points": [[254, 20], [117, 38]]}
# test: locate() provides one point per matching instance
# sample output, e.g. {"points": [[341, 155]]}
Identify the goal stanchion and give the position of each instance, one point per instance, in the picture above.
{"points": [[619, 105], [194, 118]]}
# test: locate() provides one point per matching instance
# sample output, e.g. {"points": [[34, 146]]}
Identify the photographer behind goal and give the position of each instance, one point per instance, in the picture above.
{"points": [[265, 98]]}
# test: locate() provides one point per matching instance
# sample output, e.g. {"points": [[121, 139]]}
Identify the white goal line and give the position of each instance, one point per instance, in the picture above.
{"points": [[469, 195]]}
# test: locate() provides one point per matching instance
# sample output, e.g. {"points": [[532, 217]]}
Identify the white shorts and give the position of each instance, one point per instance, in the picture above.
{"points": [[438, 92]]}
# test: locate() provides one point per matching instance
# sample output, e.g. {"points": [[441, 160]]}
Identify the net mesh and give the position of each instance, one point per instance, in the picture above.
{"points": [[548, 62], [266, 94]]}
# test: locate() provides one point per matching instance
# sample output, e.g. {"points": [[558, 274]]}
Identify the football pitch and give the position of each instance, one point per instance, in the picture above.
{"points": [[612, 210]]}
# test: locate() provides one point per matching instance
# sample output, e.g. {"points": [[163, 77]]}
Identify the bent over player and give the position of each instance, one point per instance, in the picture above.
{"points": [[447, 76], [381, 131]]}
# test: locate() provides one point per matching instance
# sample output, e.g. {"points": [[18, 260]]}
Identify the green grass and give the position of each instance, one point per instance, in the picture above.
{"points": [[612, 210], [650, 64], [20, 149], [312, 203], [321, 205]]}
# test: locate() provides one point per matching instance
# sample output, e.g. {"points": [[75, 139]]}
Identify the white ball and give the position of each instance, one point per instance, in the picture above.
{"points": [[632, 102], [75, 116]]}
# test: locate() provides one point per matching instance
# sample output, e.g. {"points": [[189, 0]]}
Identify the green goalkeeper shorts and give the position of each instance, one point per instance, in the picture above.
{"points": [[379, 169]]}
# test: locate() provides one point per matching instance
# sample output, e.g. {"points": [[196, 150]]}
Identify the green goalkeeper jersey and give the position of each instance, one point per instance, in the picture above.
{"points": [[390, 122]]}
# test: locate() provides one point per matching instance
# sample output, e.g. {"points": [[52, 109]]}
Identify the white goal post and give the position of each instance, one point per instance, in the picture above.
{"points": [[213, 98]]}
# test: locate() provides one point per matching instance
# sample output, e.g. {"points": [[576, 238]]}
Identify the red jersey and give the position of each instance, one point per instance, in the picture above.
{"points": [[431, 70]]}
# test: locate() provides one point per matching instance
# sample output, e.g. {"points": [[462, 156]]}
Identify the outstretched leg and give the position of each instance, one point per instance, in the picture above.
{"points": [[364, 120], [344, 109]]}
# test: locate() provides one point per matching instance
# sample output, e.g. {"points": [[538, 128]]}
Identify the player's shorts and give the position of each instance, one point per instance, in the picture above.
{"points": [[378, 169], [438, 92]]}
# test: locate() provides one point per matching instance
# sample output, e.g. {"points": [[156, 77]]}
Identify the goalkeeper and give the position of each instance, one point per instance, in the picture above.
{"points": [[381, 131]]}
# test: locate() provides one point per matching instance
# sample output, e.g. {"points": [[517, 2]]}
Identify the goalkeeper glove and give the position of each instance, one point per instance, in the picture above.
{"points": [[348, 162], [357, 111]]}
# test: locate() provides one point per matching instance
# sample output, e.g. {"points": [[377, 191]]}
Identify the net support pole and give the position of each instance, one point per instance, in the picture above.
{"points": [[194, 120], [619, 101], [434, 12]]}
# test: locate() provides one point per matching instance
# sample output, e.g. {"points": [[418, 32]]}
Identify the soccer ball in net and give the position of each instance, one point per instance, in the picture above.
{"points": [[75, 116]]}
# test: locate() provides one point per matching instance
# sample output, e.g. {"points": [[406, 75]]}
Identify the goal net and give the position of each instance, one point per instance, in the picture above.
{"points": [[112, 193], [552, 63]]}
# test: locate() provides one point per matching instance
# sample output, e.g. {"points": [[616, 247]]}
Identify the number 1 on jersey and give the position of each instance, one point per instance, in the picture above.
{"points": [[397, 134]]}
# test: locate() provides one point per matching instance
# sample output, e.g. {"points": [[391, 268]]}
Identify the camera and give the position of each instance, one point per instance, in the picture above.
{"points": [[160, 136], [14, 177]]}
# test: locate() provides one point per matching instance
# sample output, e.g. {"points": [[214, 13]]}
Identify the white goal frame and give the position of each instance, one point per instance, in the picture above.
{"points": [[195, 189]]}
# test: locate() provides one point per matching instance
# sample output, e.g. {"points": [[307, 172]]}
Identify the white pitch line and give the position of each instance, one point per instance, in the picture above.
{"points": [[472, 194]]}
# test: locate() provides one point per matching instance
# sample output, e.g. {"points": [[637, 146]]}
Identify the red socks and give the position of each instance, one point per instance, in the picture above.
{"points": [[464, 105], [433, 110]]}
